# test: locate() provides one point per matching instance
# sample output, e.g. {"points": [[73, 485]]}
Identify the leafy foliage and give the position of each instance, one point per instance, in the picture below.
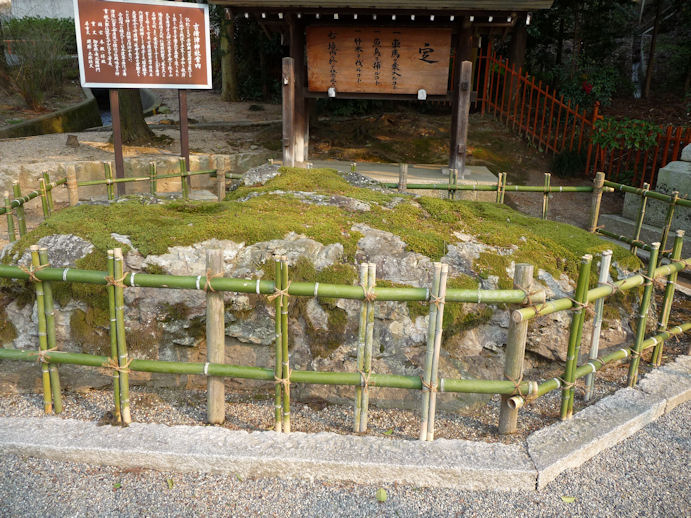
{"points": [[635, 134]]}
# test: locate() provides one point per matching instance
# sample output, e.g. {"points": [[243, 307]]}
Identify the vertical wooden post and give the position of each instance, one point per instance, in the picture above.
{"points": [[184, 129], [639, 220], [288, 88], [598, 186], [11, 236], [636, 350], [184, 181], [597, 323], [668, 297], [108, 173], [72, 186], [117, 138], [402, 177], [297, 52], [215, 340], [21, 217], [515, 351], [545, 196], [460, 136]]}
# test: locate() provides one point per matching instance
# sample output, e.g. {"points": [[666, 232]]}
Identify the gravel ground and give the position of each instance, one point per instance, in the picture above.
{"points": [[646, 475]]}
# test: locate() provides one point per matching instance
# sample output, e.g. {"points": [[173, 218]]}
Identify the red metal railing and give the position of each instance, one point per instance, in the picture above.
{"points": [[538, 113]]}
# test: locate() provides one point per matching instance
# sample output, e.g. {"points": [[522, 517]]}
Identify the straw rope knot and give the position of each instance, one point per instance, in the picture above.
{"points": [[41, 355], [118, 283], [516, 384], [370, 296], [578, 306], [113, 365], [284, 381], [31, 271], [530, 303], [209, 278], [437, 300], [279, 293], [364, 378], [431, 387], [566, 385]]}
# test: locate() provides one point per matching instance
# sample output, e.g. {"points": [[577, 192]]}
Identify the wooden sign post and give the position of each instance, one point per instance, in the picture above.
{"points": [[143, 44]]}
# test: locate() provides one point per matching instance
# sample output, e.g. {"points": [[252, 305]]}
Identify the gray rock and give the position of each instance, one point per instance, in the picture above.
{"points": [[261, 174], [63, 250]]}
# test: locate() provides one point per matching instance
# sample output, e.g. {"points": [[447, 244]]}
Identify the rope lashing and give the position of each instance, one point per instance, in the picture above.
{"points": [[209, 278], [118, 283], [437, 301], [431, 387], [577, 306], [41, 355], [516, 384], [113, 365], [364, 378], [279, 293], [31, 271]]}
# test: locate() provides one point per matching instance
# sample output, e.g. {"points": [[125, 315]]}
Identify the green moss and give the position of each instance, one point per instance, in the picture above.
{"points": [[154, 269], [7, 330], [91, 330]]}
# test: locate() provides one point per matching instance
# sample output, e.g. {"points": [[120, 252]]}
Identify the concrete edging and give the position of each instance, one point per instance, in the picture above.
{"points": [[329, 456]]}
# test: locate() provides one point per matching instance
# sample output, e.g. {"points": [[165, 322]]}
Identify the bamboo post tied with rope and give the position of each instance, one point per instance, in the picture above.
{"points": [[515, 351], [438, 329], [42, 336], [575, 335], [11, 235], [123, 358], [49, 309], [72, 186], [545, 195], [648, 286], [668, 297], [110, 291], [639, 219], [278, 350], [365, 360], [605, 262], [429, 356], [360, 353], [21, 216]]}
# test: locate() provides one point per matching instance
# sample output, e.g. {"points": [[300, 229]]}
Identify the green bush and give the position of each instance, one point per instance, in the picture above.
{"points": [[40, 50]]}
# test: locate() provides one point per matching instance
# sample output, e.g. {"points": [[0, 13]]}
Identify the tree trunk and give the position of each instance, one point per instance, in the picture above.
{"points": [[229, 76], [560, 41], [576, 41], [135, 131], [651, 54]]}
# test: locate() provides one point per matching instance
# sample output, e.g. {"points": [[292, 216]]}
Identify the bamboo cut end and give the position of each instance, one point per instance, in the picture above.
{"points": [[515, 402], [680, 233]]}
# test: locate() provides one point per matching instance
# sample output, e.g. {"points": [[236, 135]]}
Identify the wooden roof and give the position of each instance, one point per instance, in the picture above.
{"points": [[400, 5]]}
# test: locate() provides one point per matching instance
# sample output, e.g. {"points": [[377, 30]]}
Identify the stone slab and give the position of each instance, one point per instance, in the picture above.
{"points": [[324, 456], [568, 444], [671, 382], [650, 234], [686, 153]]}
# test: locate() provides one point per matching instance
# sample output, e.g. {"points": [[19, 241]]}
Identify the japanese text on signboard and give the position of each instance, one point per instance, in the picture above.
{"points": [[378, 60], [146, 43]]}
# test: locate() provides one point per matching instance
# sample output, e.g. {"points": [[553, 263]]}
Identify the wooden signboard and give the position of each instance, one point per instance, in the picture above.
{"points": [[378, 59], [143, 43]]}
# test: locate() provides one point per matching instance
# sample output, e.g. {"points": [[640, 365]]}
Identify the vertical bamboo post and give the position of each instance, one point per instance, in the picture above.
{"points": [[215, 339], [49, 191], [598, 187], [110, 289], [499, 177], [515, 351], [643, 316], [49, 309], [369, 339], [429, 357], [640, 218], [108, 173], [453, 182], [575, 335], [288, 91], [503, 187], [438, 329], [221, 185], [44, 199], [402, 177], [11, 236], [545, 196], [21, 217], [353, 167], [278, 350], [605, 262], [72, 186], [668, 297], [123, 360], [284, 344], [183, 180], [362, 333], [42, 339], [152, 179], [668, 220]]}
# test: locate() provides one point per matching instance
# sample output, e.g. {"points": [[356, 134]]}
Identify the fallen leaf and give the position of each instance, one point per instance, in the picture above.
{"points": [[117, 486], [170, 483], [389, 431], [568, 499], [381, 495]]}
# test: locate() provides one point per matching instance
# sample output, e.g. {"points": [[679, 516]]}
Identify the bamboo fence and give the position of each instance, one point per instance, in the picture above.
{"points": [[14, 211], [429, 382], [540, 114]]}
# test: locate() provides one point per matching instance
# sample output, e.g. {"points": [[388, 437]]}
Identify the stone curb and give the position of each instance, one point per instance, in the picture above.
{"points": [[328, 456]]}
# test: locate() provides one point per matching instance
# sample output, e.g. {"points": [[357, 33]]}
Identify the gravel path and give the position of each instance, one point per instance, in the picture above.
{"points": [[647, 475]]}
